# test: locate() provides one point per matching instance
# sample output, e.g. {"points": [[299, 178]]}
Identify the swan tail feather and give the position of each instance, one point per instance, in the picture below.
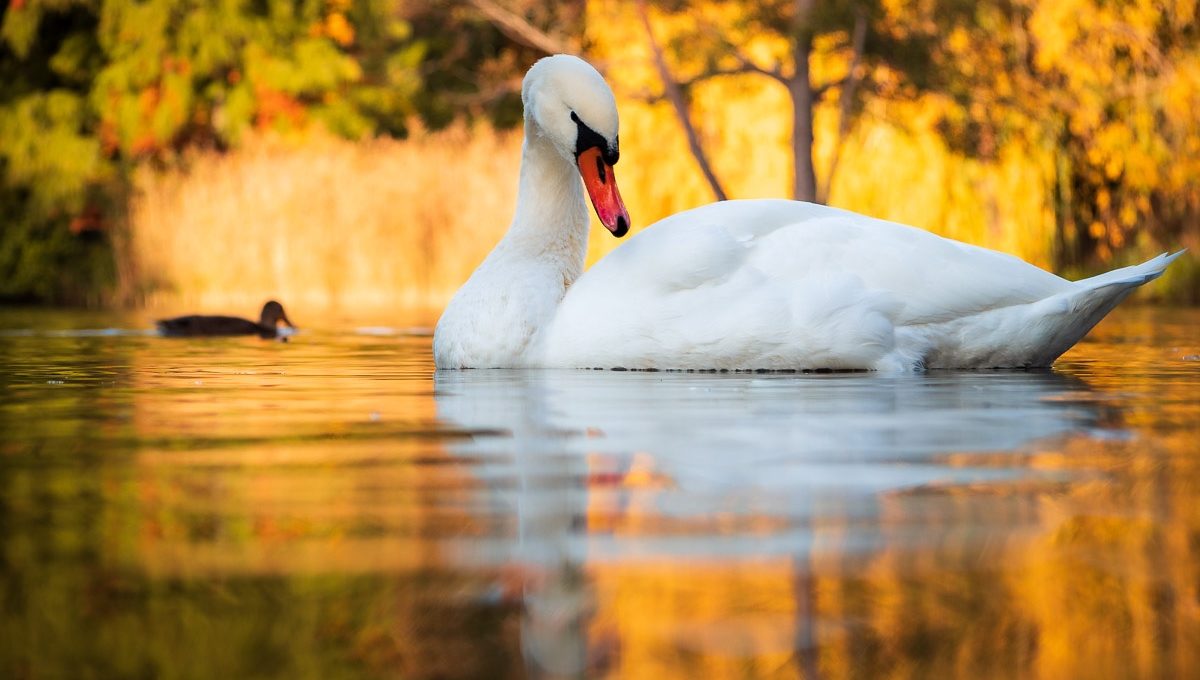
{"points": [[1033, 334], [1091, 299], [1133, 276]]}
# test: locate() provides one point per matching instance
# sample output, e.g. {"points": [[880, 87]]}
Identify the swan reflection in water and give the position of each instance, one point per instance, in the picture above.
{"points": [[727, 467]]}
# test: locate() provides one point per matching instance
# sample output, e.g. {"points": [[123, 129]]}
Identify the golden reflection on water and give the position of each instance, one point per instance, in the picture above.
{"points": [[331, 508]]}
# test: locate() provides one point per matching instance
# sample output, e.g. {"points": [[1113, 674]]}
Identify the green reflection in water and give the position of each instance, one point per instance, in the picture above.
{"points": [[330, 508]]}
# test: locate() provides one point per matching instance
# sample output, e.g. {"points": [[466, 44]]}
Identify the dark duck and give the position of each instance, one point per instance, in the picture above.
{"points": [[267, 325]]}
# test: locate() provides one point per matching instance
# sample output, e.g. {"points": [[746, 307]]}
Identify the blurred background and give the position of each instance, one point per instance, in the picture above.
{"points": [[347, 154], [329, 508]]}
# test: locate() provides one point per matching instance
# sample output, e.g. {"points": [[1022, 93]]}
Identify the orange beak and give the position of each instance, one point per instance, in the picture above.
{"points": [[601, 186]]}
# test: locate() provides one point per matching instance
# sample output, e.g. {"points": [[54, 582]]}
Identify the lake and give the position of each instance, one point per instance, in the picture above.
{"points": [[330, 507]]}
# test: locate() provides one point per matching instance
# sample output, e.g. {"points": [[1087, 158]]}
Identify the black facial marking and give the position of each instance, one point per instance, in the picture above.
{"points": [[587, 138]]}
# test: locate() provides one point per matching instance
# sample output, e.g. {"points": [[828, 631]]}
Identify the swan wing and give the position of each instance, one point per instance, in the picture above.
{"points": [[933, 278], [772, 284]]}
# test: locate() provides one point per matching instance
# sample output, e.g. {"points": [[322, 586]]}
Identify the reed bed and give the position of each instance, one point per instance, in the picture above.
{"points": [[325, 223]]}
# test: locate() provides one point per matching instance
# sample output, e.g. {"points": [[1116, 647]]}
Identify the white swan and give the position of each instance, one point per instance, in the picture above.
{"points": [[756, 284]]}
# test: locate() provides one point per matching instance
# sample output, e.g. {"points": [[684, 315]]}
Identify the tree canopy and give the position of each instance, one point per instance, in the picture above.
{"points": [[1111, 90]]}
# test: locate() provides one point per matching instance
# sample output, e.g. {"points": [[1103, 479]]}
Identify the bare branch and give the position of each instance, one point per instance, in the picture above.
{"points": [[749, 66], [647, 97], [709, 75], [518, 28], [485, 97], [675, 96], [858, 42], [745, 63]]}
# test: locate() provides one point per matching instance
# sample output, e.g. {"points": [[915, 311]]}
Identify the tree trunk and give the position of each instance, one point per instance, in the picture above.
{"points": [[804, 179]]}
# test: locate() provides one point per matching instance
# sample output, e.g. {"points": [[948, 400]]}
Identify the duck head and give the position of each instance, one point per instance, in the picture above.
{"points": [[568, 102], [272, 314]]}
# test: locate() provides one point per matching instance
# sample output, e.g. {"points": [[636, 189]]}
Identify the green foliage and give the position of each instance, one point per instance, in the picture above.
{"points": [[90, 89], [49, 162]]}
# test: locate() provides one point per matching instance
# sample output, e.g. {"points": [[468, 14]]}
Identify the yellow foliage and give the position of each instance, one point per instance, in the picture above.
{"points": [[745, 125], [339, 29]]}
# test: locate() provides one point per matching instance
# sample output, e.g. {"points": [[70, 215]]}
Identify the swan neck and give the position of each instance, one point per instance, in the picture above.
{"points": [[551, 218]]}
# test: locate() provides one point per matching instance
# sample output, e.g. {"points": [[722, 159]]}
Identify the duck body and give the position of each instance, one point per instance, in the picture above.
{"points": [[739, 285], [198, 325]]}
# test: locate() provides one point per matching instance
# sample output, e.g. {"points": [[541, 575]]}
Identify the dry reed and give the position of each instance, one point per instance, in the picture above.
{"points": [[324, 224]]}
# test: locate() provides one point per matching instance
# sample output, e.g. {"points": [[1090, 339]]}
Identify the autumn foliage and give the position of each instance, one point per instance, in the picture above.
{"points": [[1064, 132]]}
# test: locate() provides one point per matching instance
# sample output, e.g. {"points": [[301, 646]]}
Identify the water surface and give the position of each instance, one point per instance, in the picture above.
{"points": [[330, 507]]}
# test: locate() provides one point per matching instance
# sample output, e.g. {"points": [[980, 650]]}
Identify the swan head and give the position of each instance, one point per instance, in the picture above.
{"points": [[568, 103]]}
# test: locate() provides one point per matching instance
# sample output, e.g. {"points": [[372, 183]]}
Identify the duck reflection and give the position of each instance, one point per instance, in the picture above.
{"points": [[602, 470]]}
